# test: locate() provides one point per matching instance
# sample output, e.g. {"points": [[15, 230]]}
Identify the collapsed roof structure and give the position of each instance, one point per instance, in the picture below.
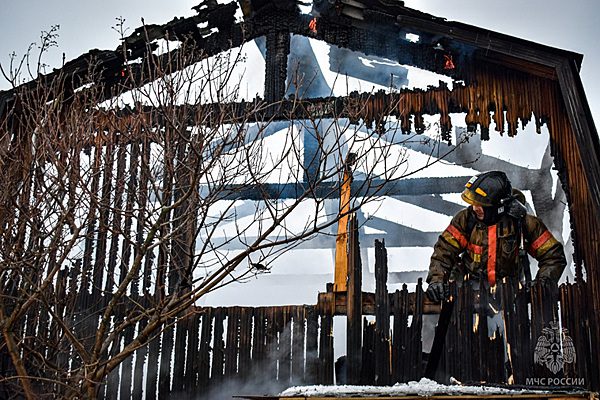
{"points": [[496, 79]]}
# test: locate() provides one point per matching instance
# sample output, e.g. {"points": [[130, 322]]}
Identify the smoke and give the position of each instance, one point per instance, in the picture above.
{"points": [[225, 390], [376, 70], [271, 375]]}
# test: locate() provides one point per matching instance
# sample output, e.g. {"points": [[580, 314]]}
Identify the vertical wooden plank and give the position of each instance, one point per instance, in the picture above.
{"points": [[184, 215], [140, 361], [126, 366], [181, 327], [63, 310], [482, 334], [112, 384], [245, 342], [166, 199], [133, 192], [116, 219], [272, 350], [259, 337], [103, 208], [354, 306], [416, 328], [511, 324], [522, 318], [193, 354], [468, 333], [475, 350], [152, 372], [285, 346], [369, 355], [146, 277], [232, 345], [326, 348], [396, 337], [298, 348], [205, 349], [166, 354], [218, 360], [312, 354], [89, 246], [382, 317]]}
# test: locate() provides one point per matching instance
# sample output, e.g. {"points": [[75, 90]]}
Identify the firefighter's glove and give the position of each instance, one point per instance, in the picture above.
{"points": [[438, 291]]}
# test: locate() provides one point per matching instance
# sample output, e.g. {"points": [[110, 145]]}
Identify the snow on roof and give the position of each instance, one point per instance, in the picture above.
{"points": [[425, 387]]}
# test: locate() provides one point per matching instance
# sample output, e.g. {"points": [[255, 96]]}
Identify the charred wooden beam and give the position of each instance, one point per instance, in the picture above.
{"points": [[339, 302], [354, 305], [278, 49]]}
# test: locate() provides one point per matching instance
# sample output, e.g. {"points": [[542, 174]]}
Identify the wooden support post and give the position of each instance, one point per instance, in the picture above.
{"points": [[341, 241], [354, 316]]}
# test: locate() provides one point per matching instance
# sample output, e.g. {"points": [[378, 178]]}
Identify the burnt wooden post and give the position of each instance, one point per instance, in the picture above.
{"points": [[382, 316], [401, 342], [354, 310], [276, 60]]}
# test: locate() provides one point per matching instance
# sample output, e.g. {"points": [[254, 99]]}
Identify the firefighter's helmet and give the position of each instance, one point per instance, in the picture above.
{"points": [[488, 189]]}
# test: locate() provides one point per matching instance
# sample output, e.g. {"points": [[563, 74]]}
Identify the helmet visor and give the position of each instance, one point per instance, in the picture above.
{"points": [[470, 197]]}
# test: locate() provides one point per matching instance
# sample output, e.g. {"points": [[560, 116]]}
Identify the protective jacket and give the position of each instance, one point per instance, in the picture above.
{"points": [[494, 250]]}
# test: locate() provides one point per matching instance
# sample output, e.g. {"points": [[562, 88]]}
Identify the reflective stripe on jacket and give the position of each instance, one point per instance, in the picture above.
{"points": [[494, 250]]}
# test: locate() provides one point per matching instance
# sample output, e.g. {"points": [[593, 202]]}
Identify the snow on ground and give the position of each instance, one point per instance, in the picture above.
{"points": [[424, 387]]}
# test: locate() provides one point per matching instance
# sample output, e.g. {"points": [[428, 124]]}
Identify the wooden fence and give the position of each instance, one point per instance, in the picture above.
{"points": [[543, 339]]}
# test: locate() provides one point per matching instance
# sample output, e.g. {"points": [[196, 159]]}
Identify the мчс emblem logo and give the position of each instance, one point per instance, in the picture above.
{"points": [[548, 349]]}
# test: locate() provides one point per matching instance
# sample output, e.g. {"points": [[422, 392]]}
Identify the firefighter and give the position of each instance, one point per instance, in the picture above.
{"points": [[483, 241]]}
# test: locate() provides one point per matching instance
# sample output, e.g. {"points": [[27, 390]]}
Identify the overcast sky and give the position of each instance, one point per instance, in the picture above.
{"points": [[85, 24]]}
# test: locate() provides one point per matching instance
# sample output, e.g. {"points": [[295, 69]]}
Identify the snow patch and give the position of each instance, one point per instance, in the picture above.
{"points": [[425, 387]]}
